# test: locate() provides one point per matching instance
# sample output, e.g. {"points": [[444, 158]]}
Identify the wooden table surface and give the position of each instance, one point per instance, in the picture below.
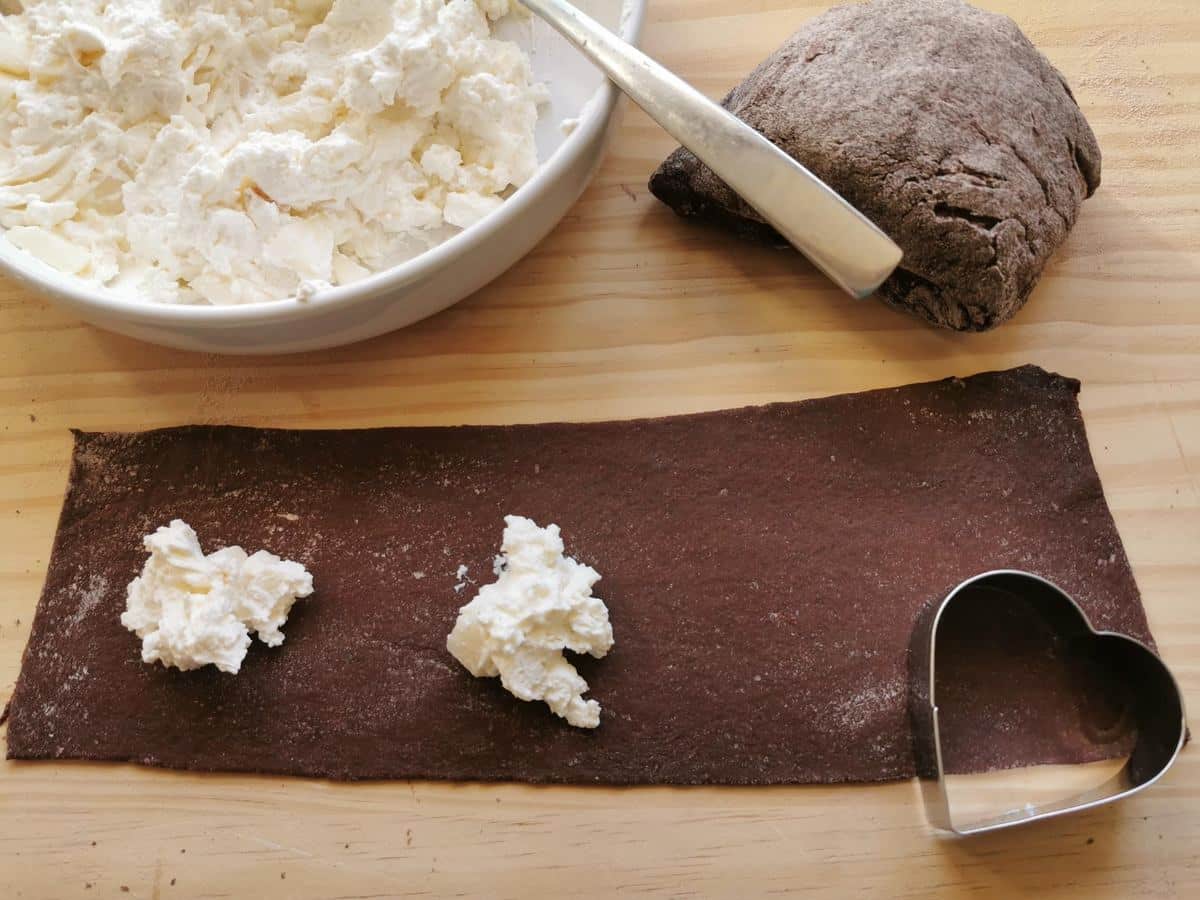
{"points": [[625, 311]]}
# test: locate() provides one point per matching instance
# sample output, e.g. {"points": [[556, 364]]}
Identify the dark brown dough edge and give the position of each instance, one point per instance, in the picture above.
{"points": [[58, 548], [976, 237]]}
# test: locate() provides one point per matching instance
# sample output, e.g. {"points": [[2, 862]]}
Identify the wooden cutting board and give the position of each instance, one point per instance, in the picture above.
{"points": [[623, 312]]}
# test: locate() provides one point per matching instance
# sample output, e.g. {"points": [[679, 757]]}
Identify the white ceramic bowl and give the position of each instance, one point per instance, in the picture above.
{"points": [[420, 287]]}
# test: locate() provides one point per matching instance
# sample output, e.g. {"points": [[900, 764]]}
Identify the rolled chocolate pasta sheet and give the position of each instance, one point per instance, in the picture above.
{"points": [[763, 569]]}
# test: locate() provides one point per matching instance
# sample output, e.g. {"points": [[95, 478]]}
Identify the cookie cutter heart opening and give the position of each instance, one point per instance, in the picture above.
{"points": [[1152, 701]]}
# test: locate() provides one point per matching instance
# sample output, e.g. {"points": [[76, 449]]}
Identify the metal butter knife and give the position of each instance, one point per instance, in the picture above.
{"points": [[837, 238]]}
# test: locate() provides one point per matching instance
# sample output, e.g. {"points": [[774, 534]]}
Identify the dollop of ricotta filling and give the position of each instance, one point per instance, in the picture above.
{"points": [[540, 604], [193, 610]]}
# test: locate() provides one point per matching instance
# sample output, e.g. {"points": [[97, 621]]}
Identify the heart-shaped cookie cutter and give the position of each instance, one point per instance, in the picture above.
{"points": [[1157, 704]]}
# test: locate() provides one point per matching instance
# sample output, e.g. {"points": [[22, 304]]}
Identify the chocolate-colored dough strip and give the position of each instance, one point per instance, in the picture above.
{"points": [[763, 568]]}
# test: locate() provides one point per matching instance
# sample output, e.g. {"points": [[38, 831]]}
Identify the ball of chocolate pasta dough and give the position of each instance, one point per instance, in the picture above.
{"points": [[944, 125]]}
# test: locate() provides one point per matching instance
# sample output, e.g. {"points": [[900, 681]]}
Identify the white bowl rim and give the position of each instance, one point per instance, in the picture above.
{"points": [[593, 120]]}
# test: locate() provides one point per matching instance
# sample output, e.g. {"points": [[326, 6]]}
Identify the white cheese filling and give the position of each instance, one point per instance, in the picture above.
{"points": [[192, 610], [236, 151], [517, 627]]}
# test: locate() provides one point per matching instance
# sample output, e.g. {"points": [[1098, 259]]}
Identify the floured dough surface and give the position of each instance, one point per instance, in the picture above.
{"points": [[763, 568]]}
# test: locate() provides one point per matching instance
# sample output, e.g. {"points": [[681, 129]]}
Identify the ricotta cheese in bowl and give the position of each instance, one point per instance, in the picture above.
{"points": [[228, 152]]}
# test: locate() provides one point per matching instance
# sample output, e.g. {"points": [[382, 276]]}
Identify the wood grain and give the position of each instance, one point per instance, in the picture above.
{"points": [[624, 311]]}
